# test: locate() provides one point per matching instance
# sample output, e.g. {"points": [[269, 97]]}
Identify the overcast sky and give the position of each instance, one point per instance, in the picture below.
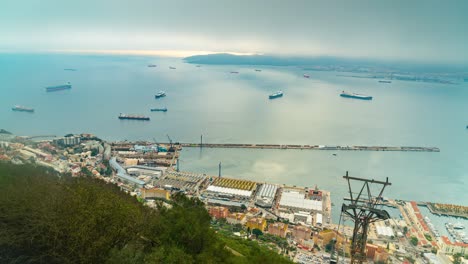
{"points": [[426, 30]]}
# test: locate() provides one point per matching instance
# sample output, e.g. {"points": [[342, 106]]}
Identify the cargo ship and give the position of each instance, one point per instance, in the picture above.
{"points": [[20, 108], [306, 76], [355, 96], [59, 87], [160, 94], [159, 109], [133, 117], [276, 95], [384, 81]]}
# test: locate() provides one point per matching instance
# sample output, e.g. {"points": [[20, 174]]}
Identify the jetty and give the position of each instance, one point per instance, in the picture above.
{"points": [[310, 147]]}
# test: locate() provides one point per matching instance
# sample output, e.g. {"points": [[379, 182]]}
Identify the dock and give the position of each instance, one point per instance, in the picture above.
{"points": [[311, 147]]}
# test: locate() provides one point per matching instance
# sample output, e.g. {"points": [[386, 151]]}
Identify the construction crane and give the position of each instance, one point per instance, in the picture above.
{"points": [[363, 210], [171, 148]]}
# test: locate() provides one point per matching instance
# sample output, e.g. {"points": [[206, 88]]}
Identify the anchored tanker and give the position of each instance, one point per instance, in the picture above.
{"points": [[276, 95], [20, 108], [133, 117], [355, 96], [159, 109], [160, 94], [59, 87]]}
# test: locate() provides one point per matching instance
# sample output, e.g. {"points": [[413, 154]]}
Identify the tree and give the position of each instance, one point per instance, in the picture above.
{"points": [[257, 232], [405, 230], [243, 207], [457, 258], [414, 241]]}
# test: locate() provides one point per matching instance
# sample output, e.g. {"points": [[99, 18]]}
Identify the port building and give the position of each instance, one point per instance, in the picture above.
{"points": [[296, 201], [230, 188], [122, 174], [266, 195]]}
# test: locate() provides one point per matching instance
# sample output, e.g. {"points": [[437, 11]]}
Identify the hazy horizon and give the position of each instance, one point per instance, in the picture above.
{"points": [[422, 31]]}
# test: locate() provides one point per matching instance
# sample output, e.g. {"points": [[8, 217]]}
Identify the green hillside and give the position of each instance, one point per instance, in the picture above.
{"points": [[49, 219]]}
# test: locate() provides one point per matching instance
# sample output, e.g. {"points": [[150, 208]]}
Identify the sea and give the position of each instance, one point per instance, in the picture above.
{"points": [[226, 107]]}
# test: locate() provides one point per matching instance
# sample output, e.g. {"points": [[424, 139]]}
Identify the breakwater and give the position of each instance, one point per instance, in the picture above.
{"points": [[311, 147]]}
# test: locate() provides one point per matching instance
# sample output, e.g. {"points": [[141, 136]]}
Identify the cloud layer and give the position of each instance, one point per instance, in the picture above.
{"points": [[410, 30]]}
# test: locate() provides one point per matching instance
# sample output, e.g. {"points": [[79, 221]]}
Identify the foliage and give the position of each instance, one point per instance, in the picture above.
{"points": [[457, 258], [51, 218], [428, 237], [257, 232], [414, 241]]}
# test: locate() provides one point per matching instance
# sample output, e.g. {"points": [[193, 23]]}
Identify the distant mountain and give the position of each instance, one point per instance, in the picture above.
{"points": [[230, 59], [326, 63]]}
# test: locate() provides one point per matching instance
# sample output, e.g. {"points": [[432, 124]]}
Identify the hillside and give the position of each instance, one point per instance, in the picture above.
{"points": [[49, 219]]}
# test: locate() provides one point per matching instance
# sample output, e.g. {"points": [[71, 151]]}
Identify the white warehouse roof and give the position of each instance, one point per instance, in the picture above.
{"points": [[231, 191], [267, 190], [297, 200], [384, 231]]}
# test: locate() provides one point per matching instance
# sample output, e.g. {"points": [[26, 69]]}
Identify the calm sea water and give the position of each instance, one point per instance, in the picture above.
{"points": [[234, 108]]}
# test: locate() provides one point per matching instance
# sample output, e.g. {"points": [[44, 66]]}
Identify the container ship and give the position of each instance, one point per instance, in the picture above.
{"points": [[20, 108], [355, 96], [133, 117], [276, 95], [59, 87], [160, 94], [159, 109]]}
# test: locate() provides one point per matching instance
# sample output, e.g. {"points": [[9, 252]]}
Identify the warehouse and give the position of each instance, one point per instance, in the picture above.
{"points": [[266, 195], [296, 201]]}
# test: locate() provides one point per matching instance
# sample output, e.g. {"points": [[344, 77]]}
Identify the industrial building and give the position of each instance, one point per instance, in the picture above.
{"points": [[155, 193], [231, 188], [122, 174], [296, 201], [266, 195]]}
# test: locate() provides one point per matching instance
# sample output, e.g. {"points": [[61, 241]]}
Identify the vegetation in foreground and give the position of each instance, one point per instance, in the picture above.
{"points": [[45, 218]]}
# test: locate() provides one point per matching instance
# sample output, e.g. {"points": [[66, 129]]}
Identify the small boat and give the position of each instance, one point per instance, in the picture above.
{"points": [[172, 68], [334, 154], [160, 94], [152, 65], [384, 81], [198, 66], [355, 96], [276, 95], [235, 72], [458, 226], [20, 108], [133, 117], [69, 69], [159, 109], [258, 70], [306, 76]]}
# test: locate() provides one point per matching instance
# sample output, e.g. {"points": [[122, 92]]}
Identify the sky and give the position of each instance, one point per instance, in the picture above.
{"points": [[418, 30]]}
